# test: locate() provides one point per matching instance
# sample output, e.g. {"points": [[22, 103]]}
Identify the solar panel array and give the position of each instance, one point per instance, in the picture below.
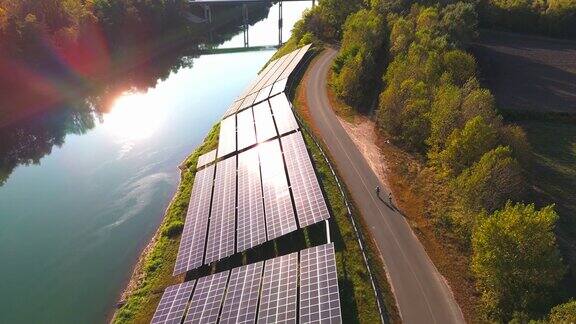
{"points": [[173, 303], [251, 224], [241, 302], [206, 158], [191, 250], [319, 296], [279, 290], [274, 78], [266, 292], [308, 198], [280, 218], [243, 195], [221, 234]]}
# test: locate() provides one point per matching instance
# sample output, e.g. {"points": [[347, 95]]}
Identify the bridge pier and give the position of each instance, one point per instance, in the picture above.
{"points": [[246, 25], [207, 13], [280, 23]]}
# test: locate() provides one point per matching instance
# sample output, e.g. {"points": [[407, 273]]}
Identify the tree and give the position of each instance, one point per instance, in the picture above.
{"points": [[515, 259], [465, 147], [564, 313], [490, 182], [460, 66], [460, 22], [444, 116], [480, 102], [401, 36]]}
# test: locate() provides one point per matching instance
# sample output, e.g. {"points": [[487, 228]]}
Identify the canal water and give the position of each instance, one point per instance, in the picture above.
{"points": [[72, 224]]}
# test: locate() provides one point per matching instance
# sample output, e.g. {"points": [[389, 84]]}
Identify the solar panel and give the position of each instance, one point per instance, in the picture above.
{"points": [[191, 250], [279, 290], [283, 115], [232, 109], [207, 299], [265, 128], [278, 87], [281, 68], [206, 159], [263, 94], [264, 82], [262, 75], [319, 296], [241, 301], [299, 56], [173, 303], [248, 101], [246, 130], [280, 217], [227, 140], [251, 225], [308, 198], [223, 215]]}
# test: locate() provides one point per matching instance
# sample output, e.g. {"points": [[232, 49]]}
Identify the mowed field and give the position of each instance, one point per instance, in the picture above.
{"points": [[528, 73]]}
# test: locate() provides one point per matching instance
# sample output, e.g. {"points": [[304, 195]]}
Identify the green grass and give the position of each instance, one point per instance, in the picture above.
{"points": [[156, 272]]}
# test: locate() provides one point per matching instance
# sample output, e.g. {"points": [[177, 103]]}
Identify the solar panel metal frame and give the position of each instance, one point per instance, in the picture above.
{"points": [[280, 216], [191, 249], [242, 295], [263, 94], [248, 102], [319, 292], [227, 139], [206, 159], [172, 305], [233, 107], [308, 197], [279, 87], [265, 127], [221, 234], [246, 129], [279, 285], [251, 230], [207, 299], [283, 114]]}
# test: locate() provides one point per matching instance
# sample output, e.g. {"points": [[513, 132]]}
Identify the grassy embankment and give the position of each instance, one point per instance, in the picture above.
{"points": [[154, 271]]}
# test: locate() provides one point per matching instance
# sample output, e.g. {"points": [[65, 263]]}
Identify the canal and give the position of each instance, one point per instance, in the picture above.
{"points": [[77, 211]]}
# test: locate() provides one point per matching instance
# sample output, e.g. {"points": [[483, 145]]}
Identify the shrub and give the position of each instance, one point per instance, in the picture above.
{"points": [[564, 313], [173, 229]]}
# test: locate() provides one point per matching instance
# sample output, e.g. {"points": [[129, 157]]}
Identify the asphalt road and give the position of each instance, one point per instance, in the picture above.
{"points": [[421, 292]]}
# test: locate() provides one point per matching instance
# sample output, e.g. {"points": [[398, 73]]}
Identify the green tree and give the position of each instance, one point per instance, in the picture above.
{"points": [[444, 116], [460, 22], [465, 147], [490, 182], [480, 102], [460, 66], [515, 259]]}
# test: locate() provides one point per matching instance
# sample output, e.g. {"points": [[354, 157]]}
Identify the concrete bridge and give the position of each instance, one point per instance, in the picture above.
{"points": [[205, 4]]}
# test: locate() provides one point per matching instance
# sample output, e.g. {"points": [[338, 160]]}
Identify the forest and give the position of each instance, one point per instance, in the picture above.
{"points": [[431, 104]]}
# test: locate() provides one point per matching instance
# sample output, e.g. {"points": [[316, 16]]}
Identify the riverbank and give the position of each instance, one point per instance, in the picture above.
{"points": [[153, 271]]}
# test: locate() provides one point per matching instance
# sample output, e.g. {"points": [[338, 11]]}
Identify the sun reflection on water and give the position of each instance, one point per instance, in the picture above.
{"points": [[132, 118]]}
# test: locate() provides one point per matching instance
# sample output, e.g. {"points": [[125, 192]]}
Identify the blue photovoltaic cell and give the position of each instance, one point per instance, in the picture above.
{"points": [[191, 251], [280, 218], [319, 295], [278, 300], [207, 299], [206, 159], [223, 215], [173, 303], [310, 203], [242, 294]]}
